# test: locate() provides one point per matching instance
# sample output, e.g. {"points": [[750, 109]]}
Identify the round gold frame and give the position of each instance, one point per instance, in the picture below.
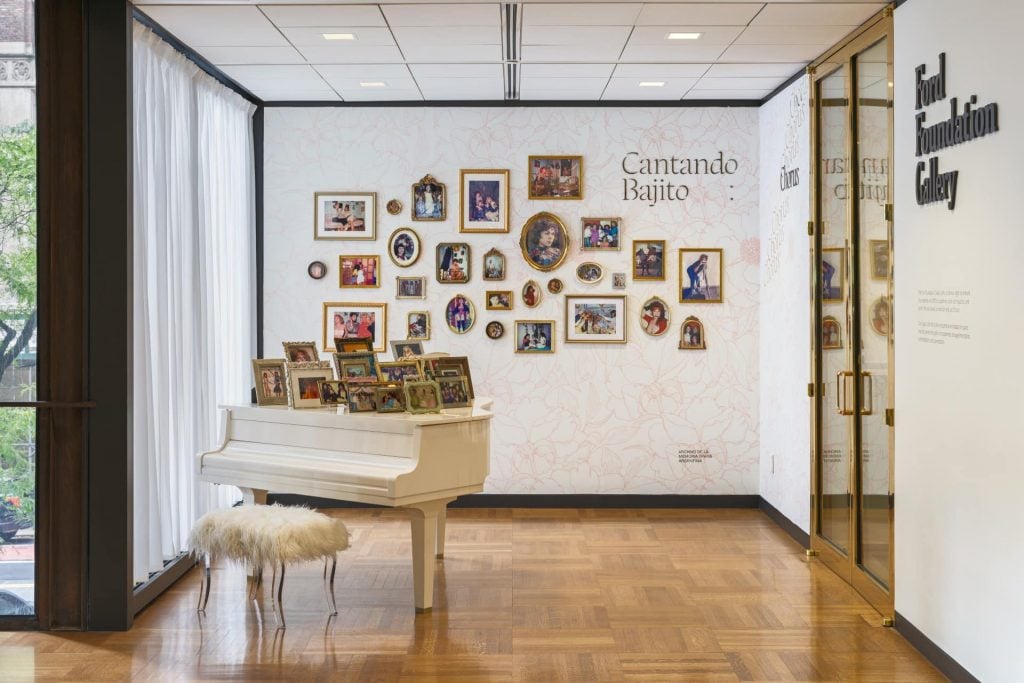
{"points": [[391, 252]]}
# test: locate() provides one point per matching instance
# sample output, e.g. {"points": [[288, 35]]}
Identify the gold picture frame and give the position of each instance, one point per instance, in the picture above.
{"points": [[407, 369], [644, 260], [454, 263], [494, 266], [655, 326], [270, 379], [544, 258], [595, 224], [454, 392], [348, 264], [303, 383], [589, 272], [831, 333], [417, 325], [331, 222], [460, 322], [691, 335], [422, 397], [405, 287], [377, 324], [833, 268], [301, 351], [406, 238], [467, 194], [340, 359], [707, 282], [498, 300], [531, 299], [590, 324], [880, 259], [542, 184], [531, 341], [434, 213]]}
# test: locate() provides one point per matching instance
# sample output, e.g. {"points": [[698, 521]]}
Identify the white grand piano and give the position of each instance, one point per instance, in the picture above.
{"points": [[416, 462]]}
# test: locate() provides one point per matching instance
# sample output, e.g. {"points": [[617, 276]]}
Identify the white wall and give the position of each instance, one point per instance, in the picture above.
{"points": [[587, 419], [959, 462], [785, 311]]}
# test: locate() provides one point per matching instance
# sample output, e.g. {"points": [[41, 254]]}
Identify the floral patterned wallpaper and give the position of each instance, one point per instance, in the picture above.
{"points": [[643, 417]]}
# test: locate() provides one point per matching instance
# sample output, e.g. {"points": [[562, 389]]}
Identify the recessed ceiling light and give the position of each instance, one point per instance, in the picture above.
{"points": [[372, 84], [652, 84], [683, 36], [339, 36]]}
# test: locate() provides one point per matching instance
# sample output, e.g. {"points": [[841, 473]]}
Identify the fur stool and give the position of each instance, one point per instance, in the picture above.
{"points": [[258, 535]]}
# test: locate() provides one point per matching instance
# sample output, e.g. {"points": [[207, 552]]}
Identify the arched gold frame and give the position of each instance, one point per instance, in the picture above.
{"points": [[691, 320]]}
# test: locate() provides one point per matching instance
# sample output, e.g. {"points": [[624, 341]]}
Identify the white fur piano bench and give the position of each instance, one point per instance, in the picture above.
{"points": [[275, 535]]}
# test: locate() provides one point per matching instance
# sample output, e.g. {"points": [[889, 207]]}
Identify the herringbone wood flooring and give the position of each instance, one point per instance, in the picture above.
{"points": [[521, 595]]}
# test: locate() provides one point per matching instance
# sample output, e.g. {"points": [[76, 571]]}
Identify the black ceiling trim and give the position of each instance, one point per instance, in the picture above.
{"points": [[666, 104], [785, 84], [194, 56]]}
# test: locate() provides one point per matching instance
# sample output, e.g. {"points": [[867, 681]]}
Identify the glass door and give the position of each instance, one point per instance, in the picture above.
{"points": [[852, 515]]}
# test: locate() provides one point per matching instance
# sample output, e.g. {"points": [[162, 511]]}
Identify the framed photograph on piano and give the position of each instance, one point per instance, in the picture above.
{"points": [[390, 398], [362, 397], [304, 383], [355, 320], [359, 366], [270, 379]]}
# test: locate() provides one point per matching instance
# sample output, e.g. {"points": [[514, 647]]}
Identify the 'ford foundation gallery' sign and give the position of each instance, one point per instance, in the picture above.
{"points": [[963, 125]]}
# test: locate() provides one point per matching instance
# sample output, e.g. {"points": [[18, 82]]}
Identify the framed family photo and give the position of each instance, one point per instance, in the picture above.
{"points": [[535, 336], [429, 200], [600, 234], [407, 370], [390, 398], [589, 272], [531, 294], [332, 393], [362, 397], [460, 314], [410, 287], [301, 351], [405, 350], [271, 381], [691, 335], [304, 383], [452, 262], [485, 199], [556, 177], [417, 325], [494, 330], [544, 241], [832, 261], [700, 276], [358, 271], [422, 397], [595, 318], [654, 317], [648, 260], [345, 216], [879, 259], [498, 300], [831, 333], [355, 320], [494, 265], [353, 344], [454, 392], [404, 247]]}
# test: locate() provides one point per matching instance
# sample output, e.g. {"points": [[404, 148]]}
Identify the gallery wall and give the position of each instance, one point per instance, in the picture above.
{"points": [[640, 418], [785, 308], [959, 402]]}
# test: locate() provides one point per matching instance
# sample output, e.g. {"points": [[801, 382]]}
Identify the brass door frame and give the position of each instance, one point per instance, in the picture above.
{"points": [[847, 564]]}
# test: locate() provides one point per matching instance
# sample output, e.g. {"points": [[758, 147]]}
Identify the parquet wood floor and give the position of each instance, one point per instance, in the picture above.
{"points": [[521, 595]]}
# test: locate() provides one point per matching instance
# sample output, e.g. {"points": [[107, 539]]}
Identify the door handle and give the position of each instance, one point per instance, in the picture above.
{"points": [[842, 406], [868, 403]]}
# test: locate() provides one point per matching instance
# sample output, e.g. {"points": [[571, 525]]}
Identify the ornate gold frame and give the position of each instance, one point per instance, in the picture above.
{"points": [[430, 180], [703, 340], [565, 239], [504, 265], [600, 268], [472, 313]]}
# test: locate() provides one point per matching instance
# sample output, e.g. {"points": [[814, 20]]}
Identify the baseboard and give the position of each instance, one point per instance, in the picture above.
{"points": [[149, 591], [948, 666], [545, 500], [786, 524]]}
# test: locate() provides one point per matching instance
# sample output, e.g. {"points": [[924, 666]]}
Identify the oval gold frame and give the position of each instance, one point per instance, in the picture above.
{"points": [[565, 240], [536, 286], [472, 314], [668, 315], [600, 270], [419, 247]]}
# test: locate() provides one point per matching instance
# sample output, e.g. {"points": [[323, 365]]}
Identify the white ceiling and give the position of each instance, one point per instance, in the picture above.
{"points": [[458, 50]]}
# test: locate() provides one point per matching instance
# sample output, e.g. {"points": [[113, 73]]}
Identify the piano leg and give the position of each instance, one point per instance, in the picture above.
{"points": [[253, 496], [441, 517], [427, 520]]}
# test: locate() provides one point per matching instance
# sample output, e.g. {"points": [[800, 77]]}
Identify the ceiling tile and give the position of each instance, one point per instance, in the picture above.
{"points": [[530, 94], [815, 14], [577, 35], [571, 53], [660, 71], [462, 88], [709, 35], [451, 53], [697, 94], [275, 95], [251, 55], [696, 14], [363, 72], [456, 70], [447, 35], [582, 14], [715, 83], [593, 84], [291, 75], [443, 15], [772, 53], [287, 16], [349, 82], [566, 70], [314, 37], [352, 54], [378, 95], [630, 89], [671, 53], [229, 25], [782, 70], [793, 35]]}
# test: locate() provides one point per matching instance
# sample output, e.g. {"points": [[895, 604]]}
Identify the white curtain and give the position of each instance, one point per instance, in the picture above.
{"points": [[194, 260]]}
